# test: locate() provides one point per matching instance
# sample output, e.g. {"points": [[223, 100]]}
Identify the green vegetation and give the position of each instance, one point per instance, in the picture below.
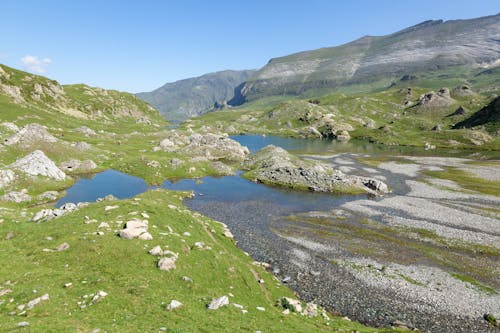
{"points": [[467, 180], [474, 282]]}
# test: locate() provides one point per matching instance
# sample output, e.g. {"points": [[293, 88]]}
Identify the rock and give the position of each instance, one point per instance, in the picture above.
{"points": [[10, 126], [48, 196], [261, 308], [458, 112], [342, 136], [174, 305], [37, 164], [103, 225], [16, 197], [156, 251], [291, 304], [85, 130], [477, 137], [62, 247], [145, 236], [437, 128], [215, 147], [77, 165], [108, 208], [99, 296], [428, 146], [9, 235], [23, 324], [187, 279], [435, 100], [286, 279], [463, 90], [31, 304], [274, 165], [6, 177], [216, 303], [311, 310], [82, 145], [167, 263], [43, 214], [29, 135]]}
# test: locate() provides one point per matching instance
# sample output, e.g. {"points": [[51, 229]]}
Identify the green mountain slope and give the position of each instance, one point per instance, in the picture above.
{"points": [[194, 96], [428, 54]]}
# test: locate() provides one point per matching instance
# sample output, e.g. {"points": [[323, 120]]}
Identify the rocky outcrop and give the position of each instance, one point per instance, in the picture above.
{"points": [[207, 146], [37, 164], [49, 214], [463, 90], [436, 100], [274, 165], [29, 135]]}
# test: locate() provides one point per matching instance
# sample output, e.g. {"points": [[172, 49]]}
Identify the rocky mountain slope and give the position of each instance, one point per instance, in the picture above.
{"points": [[430, 52], [194, 96]]}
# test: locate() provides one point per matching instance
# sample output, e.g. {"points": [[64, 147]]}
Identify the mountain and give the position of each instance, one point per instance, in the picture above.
{"points": [[431, 50], [194, 96]]}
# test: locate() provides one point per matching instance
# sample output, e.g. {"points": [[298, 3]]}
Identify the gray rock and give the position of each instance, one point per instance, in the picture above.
{"points": [[17, 197], [216, 303], [23, 324], [85, 130], [29, 135], [37, 164], [48, 196], [435, 100], [6, 177], [10, 126], [174, 305], [167, 263], [62, 247], [82, 145], [136, 228], [78, 166]]}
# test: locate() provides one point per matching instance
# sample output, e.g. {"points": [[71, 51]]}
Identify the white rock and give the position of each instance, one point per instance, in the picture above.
{"points": [[31, 304], [110, 208], [145, 236], [37, 164], [174, 305], [23, 324], [166, 264], [30, 134], [218, 302], [260, 308], [156, 251], [6, 177], [103, 225]]}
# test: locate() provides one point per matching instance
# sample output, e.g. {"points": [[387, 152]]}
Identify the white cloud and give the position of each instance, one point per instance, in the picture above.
{"points": [[34, 64]]}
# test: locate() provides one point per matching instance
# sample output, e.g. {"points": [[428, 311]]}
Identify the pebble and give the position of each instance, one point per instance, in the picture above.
{"points": [[23, 324]]}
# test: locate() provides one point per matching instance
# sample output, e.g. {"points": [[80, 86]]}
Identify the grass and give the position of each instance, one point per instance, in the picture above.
{"points": [[467, 180], [474, 283]]}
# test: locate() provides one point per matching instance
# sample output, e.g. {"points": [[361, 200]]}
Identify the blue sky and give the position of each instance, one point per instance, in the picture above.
{"points": [[140, 45]]}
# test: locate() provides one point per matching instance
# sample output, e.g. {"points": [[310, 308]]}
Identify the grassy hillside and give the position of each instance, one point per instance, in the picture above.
{"points": [[394, 117]]}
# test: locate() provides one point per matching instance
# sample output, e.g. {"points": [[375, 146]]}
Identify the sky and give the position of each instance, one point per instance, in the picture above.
{"points": [[140, 45]]}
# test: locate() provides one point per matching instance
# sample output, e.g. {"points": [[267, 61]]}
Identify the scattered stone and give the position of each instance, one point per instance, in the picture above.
{"points": [[167, 263], [98, 296], [31, 304], [103, 225], [145, 236], [108, 208], [6, 291], [187, 279], [156, 251], [437, 128], [10, 126], [174, 305], [62, 247], [216, 303], [68, 285], [36, 164], [260, 308], [286, 279], [9, 235], [82, 145], [23, 324]]}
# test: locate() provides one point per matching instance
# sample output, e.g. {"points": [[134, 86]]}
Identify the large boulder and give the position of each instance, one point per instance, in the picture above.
{"points": [[74, 165], [215, 147], [29, 135], [436, 100], [37, 164], [275, 166]]}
